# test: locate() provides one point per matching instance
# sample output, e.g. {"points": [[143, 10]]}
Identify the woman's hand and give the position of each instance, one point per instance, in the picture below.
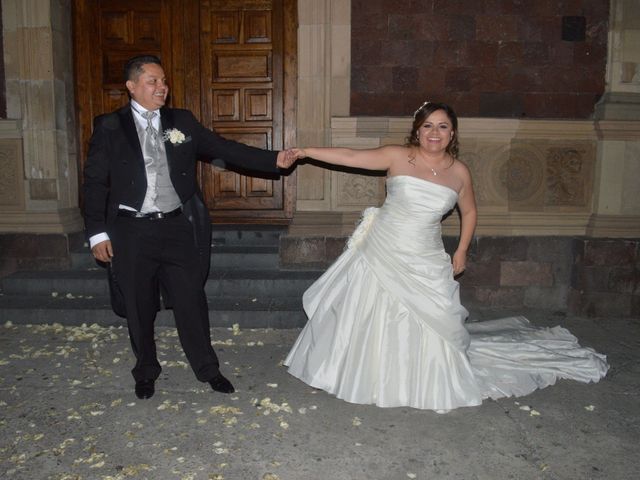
{"points": [[459, 262], [287, 158]]}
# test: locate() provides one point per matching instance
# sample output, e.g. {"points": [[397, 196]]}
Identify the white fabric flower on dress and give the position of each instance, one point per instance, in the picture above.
{"points": [[173, 135], [366, 220]]}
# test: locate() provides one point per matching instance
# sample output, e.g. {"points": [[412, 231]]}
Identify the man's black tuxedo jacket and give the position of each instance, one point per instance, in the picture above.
{"points": [[115, 174]]}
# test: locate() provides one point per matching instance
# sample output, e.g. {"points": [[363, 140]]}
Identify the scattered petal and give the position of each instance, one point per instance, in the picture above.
{"points": [[590, 408]]}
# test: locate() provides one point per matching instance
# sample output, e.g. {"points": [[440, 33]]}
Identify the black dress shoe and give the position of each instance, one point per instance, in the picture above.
{"points": [[221, 384], [145, 388]]}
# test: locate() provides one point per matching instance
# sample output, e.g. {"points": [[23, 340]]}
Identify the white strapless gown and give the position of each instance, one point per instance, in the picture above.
{"points": [[386, 326]]}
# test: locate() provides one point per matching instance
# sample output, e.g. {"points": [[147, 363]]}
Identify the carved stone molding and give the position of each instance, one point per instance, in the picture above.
{"points": [[614, 226], [66, 220], [619, 130]]}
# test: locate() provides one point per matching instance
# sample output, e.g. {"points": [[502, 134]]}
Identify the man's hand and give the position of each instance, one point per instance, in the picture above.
{"points": [[286, 158], [103, 251]]}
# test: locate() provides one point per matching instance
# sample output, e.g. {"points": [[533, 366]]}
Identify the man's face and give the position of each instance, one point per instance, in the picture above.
{"points": [[150, 89]]}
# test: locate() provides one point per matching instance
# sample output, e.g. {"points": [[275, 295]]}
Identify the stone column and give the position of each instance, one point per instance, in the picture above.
{"points": [[617, 121], [40, 105]]}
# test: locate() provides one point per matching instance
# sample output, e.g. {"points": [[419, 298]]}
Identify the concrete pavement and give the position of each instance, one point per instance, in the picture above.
{"points": [[68, 412]]}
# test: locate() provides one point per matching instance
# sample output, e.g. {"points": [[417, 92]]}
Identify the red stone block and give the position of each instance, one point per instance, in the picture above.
{"points": [[334, 246], [550, 105], [501, 104], [509, 53], [497, 28], [590, 54], [451, 54], [481, 275], [462, 27], [371, 79], [601, 304], [404, 79], [459, 79], [484, 54], [367, 25], [610, 252], [431, 80], [524, 274], [623, 280], [490, 79], [560, 53], [498, 297], [403, 53], [404, 26], [535, 53], [388, 104], [501, 248], [369, 53], [459, 7], [466, 104], [523, 78], [635, 307], [585, 104], [34, 245], [591, 278]]}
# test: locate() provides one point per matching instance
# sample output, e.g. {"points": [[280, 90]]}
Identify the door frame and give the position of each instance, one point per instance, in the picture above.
{"points": [[184, 50]]}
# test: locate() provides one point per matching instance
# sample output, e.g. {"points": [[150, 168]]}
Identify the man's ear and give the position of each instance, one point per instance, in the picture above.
{"points": [[130, 85]]}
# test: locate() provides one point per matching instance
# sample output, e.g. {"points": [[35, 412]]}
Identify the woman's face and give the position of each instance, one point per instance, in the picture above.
{"points": [[436, 131]]}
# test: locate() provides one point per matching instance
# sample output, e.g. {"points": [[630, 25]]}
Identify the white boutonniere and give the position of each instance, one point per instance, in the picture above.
{"points": [[173, 135]]}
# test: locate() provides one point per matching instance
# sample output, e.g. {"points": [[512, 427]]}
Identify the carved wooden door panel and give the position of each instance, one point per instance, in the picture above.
{"points": [[106, 34], [242, 74], [230, 62]]}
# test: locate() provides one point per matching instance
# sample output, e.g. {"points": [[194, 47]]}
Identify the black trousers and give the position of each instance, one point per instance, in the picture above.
{"points": [[148, 253]]}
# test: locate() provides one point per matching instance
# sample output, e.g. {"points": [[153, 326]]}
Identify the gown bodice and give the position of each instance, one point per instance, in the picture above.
{"points": [[410, 218]]}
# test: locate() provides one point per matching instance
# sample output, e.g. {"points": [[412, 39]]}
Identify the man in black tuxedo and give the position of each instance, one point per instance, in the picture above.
{"points": [[139, 175]]}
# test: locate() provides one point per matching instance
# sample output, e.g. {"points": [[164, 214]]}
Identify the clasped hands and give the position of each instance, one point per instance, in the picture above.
{"points": [[286, 158]]}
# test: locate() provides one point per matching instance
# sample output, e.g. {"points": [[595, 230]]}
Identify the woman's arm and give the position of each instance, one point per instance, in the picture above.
{"points": [[468, 219], [370, 159]]}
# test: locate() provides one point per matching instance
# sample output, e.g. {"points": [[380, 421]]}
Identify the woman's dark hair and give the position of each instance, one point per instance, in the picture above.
{"points": [[133, 67], [421, 114]]}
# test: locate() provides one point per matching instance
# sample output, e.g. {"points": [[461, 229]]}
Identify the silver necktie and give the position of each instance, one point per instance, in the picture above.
{"points": [[152, 133]]}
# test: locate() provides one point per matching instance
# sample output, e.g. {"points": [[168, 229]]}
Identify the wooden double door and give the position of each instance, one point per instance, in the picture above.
{"points": [[231, 62]]}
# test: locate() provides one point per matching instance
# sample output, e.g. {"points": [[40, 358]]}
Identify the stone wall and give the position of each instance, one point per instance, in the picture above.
{"points": [[28, 251], [606, 277], [590, 277], [495, 58]]}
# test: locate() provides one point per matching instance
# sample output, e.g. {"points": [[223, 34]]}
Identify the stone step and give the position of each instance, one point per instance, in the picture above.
{"points": [[248, 312], [222, 282], [257, 235], [245, 286], [246, 257]]}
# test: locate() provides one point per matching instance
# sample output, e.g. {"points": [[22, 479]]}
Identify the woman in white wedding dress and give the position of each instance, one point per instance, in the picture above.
{"points": [[386, 326]]}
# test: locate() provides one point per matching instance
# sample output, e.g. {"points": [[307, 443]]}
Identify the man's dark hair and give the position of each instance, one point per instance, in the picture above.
{"points": [[133, 67]]}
